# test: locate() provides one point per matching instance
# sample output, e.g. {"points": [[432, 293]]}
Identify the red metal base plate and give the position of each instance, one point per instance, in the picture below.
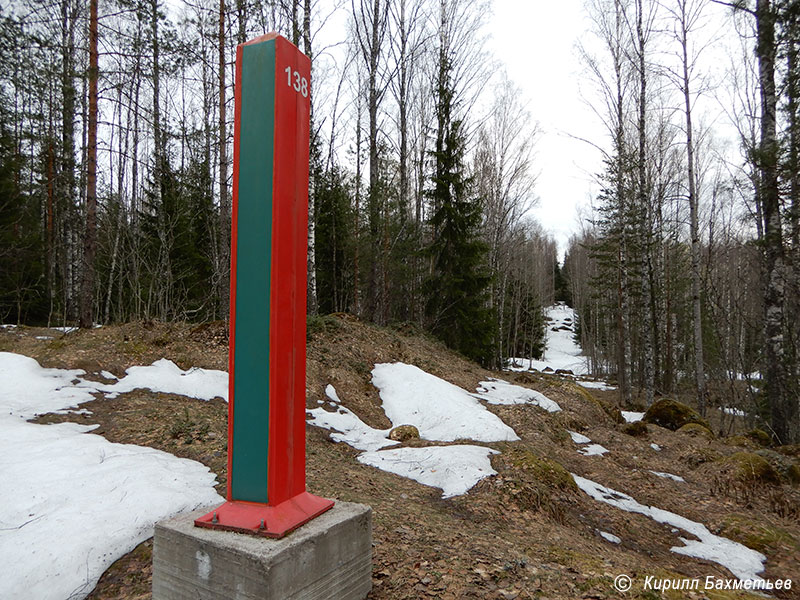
{"points": [[262, 519]]}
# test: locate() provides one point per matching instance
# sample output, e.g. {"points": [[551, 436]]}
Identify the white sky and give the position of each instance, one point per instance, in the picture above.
{"points": [[536, 42]]}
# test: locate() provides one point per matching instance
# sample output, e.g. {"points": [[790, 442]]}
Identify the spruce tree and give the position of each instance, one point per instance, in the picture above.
{"points": [[458, 285]]}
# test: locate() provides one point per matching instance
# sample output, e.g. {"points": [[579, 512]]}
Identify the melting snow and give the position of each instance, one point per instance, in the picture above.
{"points": [[351, 430], [632, 417], [454, 469], [596, 385], [440, 410], [737, 412], [740, 560], [593, 450], [578, 438], [561, 352], [497, 391], [27, 389], [73, 502], [166, 377], [610, 537], [669, 476]]}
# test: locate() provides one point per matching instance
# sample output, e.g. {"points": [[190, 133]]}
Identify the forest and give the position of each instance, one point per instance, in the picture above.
{"points": [[117, 154], [116, 126], [686, 273]]}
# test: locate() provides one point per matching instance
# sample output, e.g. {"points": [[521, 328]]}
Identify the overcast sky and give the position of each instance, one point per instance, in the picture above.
{"points": [[536, 42]]}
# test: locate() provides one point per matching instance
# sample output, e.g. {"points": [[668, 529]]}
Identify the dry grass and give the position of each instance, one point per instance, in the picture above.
{"points": [[525, 533]]}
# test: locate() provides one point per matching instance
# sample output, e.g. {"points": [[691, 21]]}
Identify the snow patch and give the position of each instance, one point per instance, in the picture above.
{"points": [[729, 410], [28, 389], [609, 537], [596, 385], [593, 450], [740, 560], [497, 391], [330, 392], [440, 410], [590, 449], [561, 350], [453, 469], [348, 428], [578, 438], [73, 502], [669, 476], [166, 377], [631, 416]]}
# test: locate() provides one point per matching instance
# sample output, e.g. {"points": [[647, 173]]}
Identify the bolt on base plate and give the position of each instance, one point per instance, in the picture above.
{"points": [[265, 520]]}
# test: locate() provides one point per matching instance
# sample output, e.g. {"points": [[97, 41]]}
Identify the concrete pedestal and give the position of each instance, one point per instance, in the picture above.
{"points": [[329, 557]]}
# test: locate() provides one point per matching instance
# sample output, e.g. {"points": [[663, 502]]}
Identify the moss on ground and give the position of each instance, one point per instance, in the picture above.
{"points": [[742, 441], [636, 429], [673, 415], [789, 450], [752, 468], [760, 437], [545, 471], [612, 412], [765, 538], [786, 466], [697, 430]]}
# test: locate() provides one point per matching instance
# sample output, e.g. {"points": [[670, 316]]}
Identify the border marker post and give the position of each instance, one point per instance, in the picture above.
{"points": [[267, 356]]}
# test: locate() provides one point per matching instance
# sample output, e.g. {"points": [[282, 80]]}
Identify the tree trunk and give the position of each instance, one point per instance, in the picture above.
{"points": [[783, 406], [622, 211], [375, 194], [66, 209], [644, 201], [357, 232], [313, 304], [224, 204], [90, 236], [694, 228]]}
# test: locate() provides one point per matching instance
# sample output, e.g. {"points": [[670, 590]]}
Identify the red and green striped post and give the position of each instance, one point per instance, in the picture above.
{"points": [[267, 357]]}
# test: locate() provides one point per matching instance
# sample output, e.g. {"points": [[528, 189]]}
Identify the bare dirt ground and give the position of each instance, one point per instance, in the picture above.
{"points": [[526, 533]]}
